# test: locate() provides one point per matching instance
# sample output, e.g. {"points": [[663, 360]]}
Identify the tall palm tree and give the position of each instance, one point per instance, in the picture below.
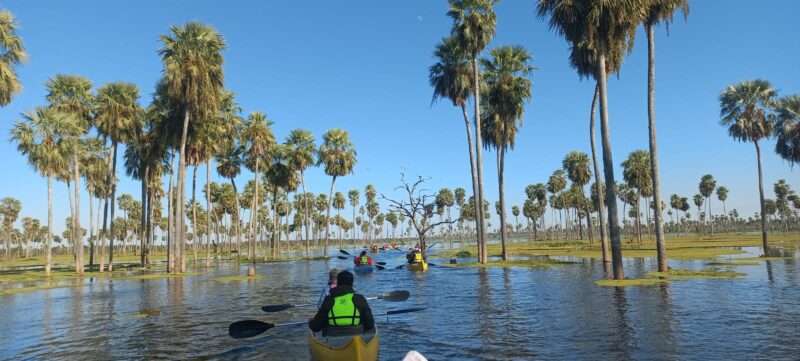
{"points": [[9, 211], [12, 54], [722, 196], [302, 154], [118, 116], [258, 142], [507, 90], [706, 188], [636, 173], [39, 136], [338, 205], [608, 29], [745, 110], [787, 129], [657, 11], [282, 179], [192, 57], [451, 78], [576, 165], [229, 165], [338, 156], [73, 95], [474, 24], [353, 196]]}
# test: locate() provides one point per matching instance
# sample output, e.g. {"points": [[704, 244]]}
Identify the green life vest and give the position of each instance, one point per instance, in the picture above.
{"points": [[344, 312], [363, 260]]}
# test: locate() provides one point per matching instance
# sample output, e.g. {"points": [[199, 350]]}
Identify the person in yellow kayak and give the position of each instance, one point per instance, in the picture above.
{"points": [[363, 259], [415, 256], [343, 311]]}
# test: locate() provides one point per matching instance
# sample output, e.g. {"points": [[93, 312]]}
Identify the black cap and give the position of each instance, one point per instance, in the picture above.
{"points": [[363, 253], [344, 278]]}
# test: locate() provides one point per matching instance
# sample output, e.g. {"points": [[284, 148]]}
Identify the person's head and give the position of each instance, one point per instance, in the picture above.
{"points": [[344, 278], [363, 253]]}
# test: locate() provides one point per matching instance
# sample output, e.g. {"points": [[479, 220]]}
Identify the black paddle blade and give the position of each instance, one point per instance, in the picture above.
{"points": [[381, 263], [344, 252], [400, 266], [396, 296], [248, 328], [276, 308], [405, 310], [342, 257], [379, 267]]}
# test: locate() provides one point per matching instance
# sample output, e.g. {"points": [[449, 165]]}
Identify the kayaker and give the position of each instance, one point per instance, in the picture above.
{"points": [[343, 310], [363, 259], [415, 256]]}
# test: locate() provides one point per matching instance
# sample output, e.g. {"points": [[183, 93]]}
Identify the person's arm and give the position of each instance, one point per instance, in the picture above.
{"points": [[370, 260], [365, 312], [320, 320], [355, 260]]}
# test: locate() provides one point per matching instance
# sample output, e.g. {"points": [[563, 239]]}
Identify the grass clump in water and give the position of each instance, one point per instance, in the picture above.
{"points": [[523, 263], [630, 282], [684, 274]]}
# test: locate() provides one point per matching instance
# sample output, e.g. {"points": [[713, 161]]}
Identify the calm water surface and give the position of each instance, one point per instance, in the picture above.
{"points": [[494, 314]]}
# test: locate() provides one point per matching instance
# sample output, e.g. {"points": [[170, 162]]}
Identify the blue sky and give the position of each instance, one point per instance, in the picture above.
{"points": [[362, 66]]}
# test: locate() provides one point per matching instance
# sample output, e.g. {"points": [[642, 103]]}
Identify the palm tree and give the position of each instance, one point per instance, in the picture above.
{"points": [[352, 196], [258, 142], [745, 110], [636, 173], [576, 164], [192, 57], [118, 117], [229, 165], [302, 155], [13, 53], [280, 176], [474, 23], [73, 95], [451, 78], [338, 156], [657, 11], [507, 90], [787, 129], [39, 136], [338, 205], [9, 210], [555, 184], [607, 29], [706, 187], [722, 195], [698, 201]]}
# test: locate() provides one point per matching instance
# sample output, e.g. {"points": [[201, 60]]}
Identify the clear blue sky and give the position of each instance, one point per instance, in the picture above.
{"points": [[362, 66]]}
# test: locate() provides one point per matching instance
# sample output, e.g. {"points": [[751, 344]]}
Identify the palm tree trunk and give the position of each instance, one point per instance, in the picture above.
{"points": [[208, 212], [328, 216], [194, 213], [608, 167], [112, 180], [761, 199], [479, 161], [170, 225], [251, 271], [306, 224], [49, 251], [76, 178], [91, 229], [472, 169], [500, 169], [180, 263], [661, 247], [238, 219], [142, 232]]}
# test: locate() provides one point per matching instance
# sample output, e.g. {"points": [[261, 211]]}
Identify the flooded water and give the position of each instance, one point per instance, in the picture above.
{"points": [[473, 314]]}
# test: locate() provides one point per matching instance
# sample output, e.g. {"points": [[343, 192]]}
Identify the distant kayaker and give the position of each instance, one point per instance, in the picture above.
{"points": [[343, 310], [363, 259], [415, 256]]}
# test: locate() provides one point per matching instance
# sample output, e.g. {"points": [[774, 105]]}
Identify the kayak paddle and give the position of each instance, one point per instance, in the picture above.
{"points": [[344, 252], [394, 296], [251, 328]]}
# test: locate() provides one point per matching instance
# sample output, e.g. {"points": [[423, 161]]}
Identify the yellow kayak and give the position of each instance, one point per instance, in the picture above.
{"points": [[344, 348], [418, 267]]}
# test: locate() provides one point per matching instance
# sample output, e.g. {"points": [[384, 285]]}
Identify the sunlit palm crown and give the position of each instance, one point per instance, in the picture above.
{"points": [[607, 26], [229, 160], [336, 153], [192, 57], [745, 110], [507, 89], [584, 60], [257, 138], [636, 171], [117, 111], [556, 182], [577, 166], [451, 76], [787, 128], [657, 11], [12, 53], [71, 94], [302, 150], [40, 136], [707, 185], [474, 23]]}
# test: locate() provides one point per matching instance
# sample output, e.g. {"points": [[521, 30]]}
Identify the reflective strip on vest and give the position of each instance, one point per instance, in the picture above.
{"points": [[418, 257], [364, 260], [344, 312]]}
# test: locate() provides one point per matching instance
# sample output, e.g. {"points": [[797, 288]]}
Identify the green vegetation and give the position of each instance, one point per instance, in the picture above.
{"points": [[536, 262], [657, 278], [237, 278]]}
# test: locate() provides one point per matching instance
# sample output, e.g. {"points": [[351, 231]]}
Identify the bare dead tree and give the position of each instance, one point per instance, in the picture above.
{"points": [[418, 206]]}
